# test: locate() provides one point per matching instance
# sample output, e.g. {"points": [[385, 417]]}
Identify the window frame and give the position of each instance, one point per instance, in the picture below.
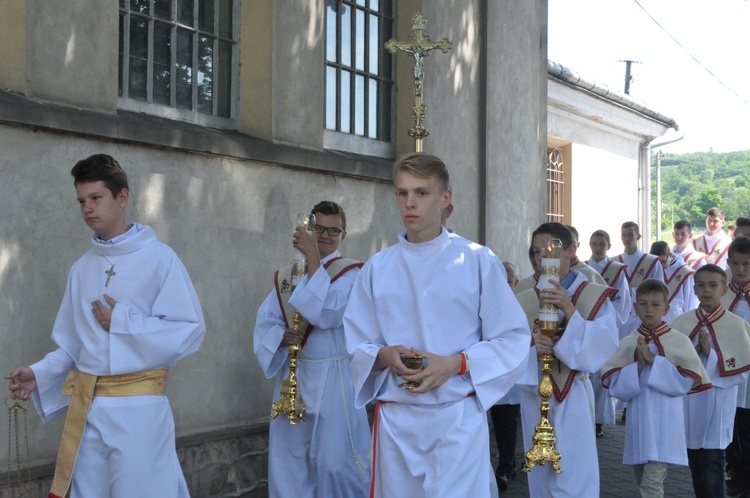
{"points": [[384, 144], [171, 111]]}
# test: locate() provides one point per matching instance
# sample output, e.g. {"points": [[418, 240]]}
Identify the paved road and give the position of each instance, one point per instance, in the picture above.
{"points": [[616, 479]]}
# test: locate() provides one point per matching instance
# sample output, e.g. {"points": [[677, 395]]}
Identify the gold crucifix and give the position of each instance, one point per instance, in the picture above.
{"points": [[419, 46]]}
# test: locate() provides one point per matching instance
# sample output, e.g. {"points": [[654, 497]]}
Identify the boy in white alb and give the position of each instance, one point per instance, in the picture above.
{"points": [[129, 313], [613, 273], [588, 337], [723, 342], [683, 245], [582, 266], [327, 453], [714, 242], [737, 300], [679, 279], [445, 298], [640, 266], [653, 368]]}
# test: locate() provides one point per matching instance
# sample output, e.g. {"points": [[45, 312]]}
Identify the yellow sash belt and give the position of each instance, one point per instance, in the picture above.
{"points": [[82, 388]]}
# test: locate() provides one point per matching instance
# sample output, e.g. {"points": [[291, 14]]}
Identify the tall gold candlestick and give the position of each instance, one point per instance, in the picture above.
{"points": [[543, 449]]}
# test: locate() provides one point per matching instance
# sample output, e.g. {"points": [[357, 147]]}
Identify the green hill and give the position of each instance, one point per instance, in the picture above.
{"points": [[692, 183]]}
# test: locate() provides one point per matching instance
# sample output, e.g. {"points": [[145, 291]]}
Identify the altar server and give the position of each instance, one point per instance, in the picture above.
{"points": [[714, 242], [589, 322], [678, 276], [327, 454], [683, 245], [129, 313], [445, 298]]}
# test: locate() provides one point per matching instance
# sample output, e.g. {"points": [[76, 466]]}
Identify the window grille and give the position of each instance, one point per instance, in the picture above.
{"points": [[555, 185], [179, 53], [358, 68]]}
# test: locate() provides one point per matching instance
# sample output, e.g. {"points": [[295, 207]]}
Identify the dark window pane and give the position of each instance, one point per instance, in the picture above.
{"points": [[224, 80], [185, 12], [225, 18], [139, 6], [163, 9], [162, 73], [184, 69], [138, 60], [205, 77], [206, 15]]}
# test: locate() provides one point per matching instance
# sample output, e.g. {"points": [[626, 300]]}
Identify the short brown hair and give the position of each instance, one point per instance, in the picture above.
{"points": [[600, 233], [100, 167], [423, 165], [712, 269], [714, 211], [653, 286], [631, 224], [660, 248], [329, 208]]}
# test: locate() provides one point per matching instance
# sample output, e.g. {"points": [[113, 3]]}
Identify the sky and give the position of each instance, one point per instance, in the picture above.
{"points": [[712, 109]]}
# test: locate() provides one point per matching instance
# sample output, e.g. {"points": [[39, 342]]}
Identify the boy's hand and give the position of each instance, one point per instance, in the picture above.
{"points": [[22, 383], [703, 346], [292, 337], [438, 369], [103, 314], [545, 344], [307, 245], [559, 297], [643, 354], [390, 357]]}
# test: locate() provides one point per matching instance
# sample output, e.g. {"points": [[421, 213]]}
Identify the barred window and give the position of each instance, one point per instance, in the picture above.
{"points": [[555, 185], [358, 68], [179, 53]]}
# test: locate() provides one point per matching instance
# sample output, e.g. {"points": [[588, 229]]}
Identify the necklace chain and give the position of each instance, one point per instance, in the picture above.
{"points": [[111, 272]]}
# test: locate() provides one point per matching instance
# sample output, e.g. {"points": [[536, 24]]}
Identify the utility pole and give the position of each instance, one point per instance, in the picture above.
{"points": [[628, 77]]}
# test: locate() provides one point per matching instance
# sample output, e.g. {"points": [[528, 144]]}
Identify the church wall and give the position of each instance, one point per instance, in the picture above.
{"points": [[226, 200], [73, 62], [230, 221]]}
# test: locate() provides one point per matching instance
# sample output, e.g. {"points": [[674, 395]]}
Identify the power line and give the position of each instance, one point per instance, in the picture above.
{"points": [[691, 55]]}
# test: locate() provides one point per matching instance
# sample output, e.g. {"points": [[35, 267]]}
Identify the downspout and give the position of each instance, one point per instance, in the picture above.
{"points": [[645, 186]]}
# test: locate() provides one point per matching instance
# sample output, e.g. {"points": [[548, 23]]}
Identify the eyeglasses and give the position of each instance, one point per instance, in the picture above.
{"points": [[332, 231]]}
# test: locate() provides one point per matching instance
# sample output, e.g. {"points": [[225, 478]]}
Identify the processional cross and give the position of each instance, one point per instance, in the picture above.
{"points": [[419, 46]]}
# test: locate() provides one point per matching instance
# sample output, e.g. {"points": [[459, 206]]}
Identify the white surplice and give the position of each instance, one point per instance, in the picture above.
{"points": [[684, 299], [655, 431], [656, 271], [327, 453], [444, 296], [604, 412], [128, 445]]}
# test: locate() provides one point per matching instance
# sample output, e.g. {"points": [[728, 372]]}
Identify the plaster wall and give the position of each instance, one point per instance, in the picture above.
{"points": [[516, 113], [72, 52], [299, 109], [454, 99], [230, 221]]}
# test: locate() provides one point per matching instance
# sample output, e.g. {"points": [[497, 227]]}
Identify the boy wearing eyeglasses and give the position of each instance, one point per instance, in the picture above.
{"points": [[327, 453]]}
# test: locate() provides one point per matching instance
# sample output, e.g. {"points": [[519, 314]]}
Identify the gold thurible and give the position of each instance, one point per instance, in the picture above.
{"points": [[290, 399], [543, 449]]}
